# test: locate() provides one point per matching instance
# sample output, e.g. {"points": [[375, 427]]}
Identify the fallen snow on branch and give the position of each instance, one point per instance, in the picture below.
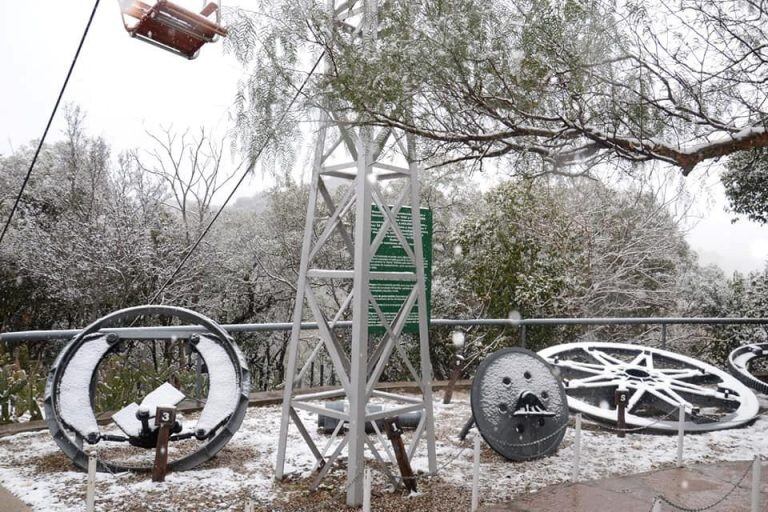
{"points": [[32, 467]]}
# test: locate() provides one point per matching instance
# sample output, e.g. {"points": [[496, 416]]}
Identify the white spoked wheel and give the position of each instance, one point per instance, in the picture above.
{"points": [[657, 382]]}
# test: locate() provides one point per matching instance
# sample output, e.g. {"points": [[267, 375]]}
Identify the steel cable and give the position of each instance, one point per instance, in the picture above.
{"points": [[250, 168], [50, 121]]}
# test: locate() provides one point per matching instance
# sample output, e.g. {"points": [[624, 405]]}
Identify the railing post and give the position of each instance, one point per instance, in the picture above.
{"points": [[523, 340], [577, 449], [367, 490], [756, 484], [680, 434], [476, 475], [664, 336], [90, 493]]}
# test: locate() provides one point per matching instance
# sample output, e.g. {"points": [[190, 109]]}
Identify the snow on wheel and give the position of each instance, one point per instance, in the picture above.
{"points": [[741, 361], [657, 382], [519, 406], [73, 390]]}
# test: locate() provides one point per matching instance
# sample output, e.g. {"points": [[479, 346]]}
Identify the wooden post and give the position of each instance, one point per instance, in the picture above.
{"points": [[312, 374], [455, 374], [621, 407], [90, 493], [322, 374], [577, 449], [680, 434], [756, 484], [165, 417], [476, 475], [395, 435]]}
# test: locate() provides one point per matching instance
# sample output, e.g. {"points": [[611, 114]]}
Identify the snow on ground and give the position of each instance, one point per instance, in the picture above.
{"points": [[32, 468]]}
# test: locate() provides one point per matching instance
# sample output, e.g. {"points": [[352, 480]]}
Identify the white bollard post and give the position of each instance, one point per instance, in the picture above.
{"points": [[577, 449], [656, 506], [90, 493], [680, 435], [367, 490], [476, 475], [756, 484]]}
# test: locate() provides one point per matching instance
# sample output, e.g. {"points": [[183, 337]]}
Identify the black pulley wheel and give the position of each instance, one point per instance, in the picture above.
{"points": [[519, 405]]}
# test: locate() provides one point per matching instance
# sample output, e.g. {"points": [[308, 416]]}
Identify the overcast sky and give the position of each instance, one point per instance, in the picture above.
{"points": [[126, 87]]}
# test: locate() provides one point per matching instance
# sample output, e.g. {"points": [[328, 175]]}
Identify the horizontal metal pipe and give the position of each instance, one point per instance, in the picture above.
{"points": [[165, 332]]}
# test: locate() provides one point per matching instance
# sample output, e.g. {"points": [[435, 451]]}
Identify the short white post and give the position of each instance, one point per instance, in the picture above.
{"points": [[756, 484], [680, 434], [577, 449], [656, 506], [367, 490], [476, 475], [90, 493], [249, 505]]}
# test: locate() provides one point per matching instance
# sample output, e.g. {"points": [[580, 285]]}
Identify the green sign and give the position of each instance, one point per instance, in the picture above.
{"points": [[391, 257]]}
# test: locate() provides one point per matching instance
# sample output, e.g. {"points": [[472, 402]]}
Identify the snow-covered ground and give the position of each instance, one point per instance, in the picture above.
{"points": [[32, 467]]}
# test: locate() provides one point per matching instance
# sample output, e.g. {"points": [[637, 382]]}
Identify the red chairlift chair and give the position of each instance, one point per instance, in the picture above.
{"points": [[172, 27]]}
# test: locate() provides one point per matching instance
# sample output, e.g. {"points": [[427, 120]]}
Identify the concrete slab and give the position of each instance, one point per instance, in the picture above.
{"points": [[692, 487], [10, 503]]}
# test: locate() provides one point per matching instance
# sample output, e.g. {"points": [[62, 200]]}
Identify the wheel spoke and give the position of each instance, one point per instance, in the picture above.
{"points": [[681, 373], [669, 397], [635, 398], [688, 387], [606, 359], [595, 369], [596, 381], [649, 361]]}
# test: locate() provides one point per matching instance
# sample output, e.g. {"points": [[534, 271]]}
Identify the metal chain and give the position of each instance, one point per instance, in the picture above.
{"points": [[638, 429], [666, 500], [447, 463], [105, 465], [536, 442], [459, 452]]}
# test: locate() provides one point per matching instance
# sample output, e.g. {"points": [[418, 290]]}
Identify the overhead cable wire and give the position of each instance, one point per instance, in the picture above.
{"points": [[50, 121], [250, 168]]}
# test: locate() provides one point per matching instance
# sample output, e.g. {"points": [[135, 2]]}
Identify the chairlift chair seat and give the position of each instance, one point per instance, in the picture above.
{"points": [[172, 27]]}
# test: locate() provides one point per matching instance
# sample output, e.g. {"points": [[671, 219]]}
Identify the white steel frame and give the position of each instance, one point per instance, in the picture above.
{"points": [[363, 167]]}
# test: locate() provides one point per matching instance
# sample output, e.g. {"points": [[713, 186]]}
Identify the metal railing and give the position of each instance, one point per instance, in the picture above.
{"points": [[167, 332]]}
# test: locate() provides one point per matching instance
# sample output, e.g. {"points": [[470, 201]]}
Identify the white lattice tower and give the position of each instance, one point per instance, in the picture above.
{"points": [[353, 170]]}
